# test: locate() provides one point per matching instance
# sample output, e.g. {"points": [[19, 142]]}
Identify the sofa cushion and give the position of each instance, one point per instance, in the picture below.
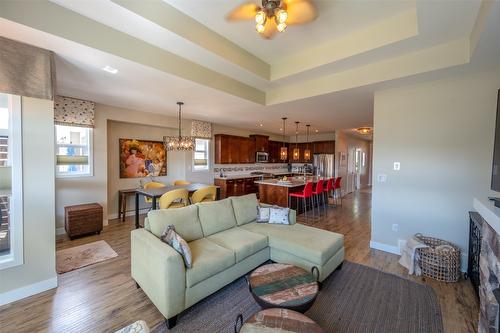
{"points": [[245, 208], [208, 259], [242, 242], [216, 216], [185, 220], [312, 244]]}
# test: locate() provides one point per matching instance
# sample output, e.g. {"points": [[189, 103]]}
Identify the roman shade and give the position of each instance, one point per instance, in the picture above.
{"points": [[73, 112], [201, 129], [26, 70]]}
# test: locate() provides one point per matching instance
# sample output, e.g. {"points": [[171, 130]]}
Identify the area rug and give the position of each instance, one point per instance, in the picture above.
{"points": [[83, 255], [354, 299]]}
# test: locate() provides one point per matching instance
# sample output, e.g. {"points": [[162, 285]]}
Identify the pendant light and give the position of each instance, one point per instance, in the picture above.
{"points": [[307, 152], [283, 150], [179, 143], [296, 150]]}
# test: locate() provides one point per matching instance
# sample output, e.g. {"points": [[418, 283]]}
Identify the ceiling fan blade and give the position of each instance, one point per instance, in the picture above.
{"points": [[245, 11], [300, 11], [270, 30]]}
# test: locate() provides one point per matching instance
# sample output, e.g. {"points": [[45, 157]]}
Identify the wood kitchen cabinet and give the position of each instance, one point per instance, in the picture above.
{"points": [[231, 149], [274, 152], [324, 147], [236, 187], [261, 142]]}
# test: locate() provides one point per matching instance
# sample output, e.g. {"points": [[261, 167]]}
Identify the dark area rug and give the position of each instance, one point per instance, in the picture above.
{"points": [[355, 299]]}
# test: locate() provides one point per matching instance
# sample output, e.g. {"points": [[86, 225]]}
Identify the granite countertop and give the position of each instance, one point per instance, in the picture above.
{"points": [[266, 173], [231, 177], [294, 182]]}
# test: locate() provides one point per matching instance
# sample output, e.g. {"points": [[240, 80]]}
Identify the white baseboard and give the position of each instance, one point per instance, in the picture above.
{"points": [[114, 216], [26, 291], [385, 247]]}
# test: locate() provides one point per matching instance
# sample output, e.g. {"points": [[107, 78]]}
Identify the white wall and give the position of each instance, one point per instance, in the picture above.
{"points": [[442, 133], [38, 271]]}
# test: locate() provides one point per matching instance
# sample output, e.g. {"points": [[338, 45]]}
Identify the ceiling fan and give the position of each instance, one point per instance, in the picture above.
{"points": [[275, 15]]}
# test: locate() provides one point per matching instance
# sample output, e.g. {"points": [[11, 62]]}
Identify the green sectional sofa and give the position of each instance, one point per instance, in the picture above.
{"points": [[226, 243]]}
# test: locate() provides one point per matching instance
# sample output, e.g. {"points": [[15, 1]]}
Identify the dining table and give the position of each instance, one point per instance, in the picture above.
{"points": [[155, 193]]}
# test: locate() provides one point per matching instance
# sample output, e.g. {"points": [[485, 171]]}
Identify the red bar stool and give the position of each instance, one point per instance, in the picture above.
{"points": [[318, 194], [337, 186], [329, 188], [307, 193]]}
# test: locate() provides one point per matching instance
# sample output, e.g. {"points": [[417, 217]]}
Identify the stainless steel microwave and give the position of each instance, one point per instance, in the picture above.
{"points": [[261, 157]]}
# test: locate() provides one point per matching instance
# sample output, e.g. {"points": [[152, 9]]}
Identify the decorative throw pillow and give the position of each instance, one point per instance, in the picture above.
{"points": [[263, 214], [279, 215], [173, 239]]}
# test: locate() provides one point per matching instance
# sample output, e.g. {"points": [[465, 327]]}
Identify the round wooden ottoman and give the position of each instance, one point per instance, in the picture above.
{"points": [[276, 321], [284, 286]]}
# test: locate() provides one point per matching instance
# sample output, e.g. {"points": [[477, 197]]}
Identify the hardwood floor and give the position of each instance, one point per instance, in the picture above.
{"points": [[103, 297]]}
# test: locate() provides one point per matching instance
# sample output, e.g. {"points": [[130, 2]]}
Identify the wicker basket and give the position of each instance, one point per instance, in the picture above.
{"points": [[440, 261]]}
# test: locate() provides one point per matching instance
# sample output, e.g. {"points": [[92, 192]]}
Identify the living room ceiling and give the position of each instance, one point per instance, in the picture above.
{"points": [[323, 72]]}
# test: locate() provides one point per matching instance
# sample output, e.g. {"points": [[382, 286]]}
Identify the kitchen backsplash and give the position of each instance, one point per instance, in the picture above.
{"points": [[237, 169]]}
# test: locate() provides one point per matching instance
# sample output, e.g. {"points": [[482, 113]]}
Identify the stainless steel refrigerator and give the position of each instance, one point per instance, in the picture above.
{"points": [[324, 165]]}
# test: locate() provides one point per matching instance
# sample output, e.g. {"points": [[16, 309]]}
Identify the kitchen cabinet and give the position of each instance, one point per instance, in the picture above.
{"points": [[324, 147], [261, 142], [274, 152], [236, 187], [231, 149]]}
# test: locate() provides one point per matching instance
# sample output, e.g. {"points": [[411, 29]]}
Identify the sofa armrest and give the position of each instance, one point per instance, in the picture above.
{"points": [[292, 216], [159, 271]]}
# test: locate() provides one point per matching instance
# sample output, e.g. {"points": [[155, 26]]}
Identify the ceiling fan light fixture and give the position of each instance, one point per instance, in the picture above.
{"points": [[281, 16], [281, 27], [260, 17]]}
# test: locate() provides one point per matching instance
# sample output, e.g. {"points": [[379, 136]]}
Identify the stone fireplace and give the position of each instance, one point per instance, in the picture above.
{"points": [[489, 268]]}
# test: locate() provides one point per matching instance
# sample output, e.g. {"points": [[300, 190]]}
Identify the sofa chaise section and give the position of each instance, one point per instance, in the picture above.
{"points": [[226, 243]]}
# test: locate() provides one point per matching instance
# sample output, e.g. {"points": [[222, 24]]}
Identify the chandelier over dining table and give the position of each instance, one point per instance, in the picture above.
{"points": [[179, 142]]}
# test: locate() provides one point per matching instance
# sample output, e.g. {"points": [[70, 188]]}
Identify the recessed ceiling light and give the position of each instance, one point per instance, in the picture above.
{"points": [[281, 129], [110, 69], [261, 125], [316, 131]]}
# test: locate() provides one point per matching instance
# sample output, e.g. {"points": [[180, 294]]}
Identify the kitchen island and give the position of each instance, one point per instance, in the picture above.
{"points": [[276, 192]]}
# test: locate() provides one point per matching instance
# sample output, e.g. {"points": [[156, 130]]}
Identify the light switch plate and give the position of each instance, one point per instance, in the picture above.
{"points": [[397, 166], [381, 178]]}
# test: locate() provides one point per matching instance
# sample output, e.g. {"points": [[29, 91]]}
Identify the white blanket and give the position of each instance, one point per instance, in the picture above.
{"points": [[408, 256]]}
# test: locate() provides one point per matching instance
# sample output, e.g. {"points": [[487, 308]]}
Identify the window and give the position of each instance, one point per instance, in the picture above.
{"points": [[11, 206], [200, 157], [74, 151]]}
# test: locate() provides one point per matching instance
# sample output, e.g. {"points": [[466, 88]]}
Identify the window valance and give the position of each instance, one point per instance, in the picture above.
{"points": [[26, 70], [201, 129], [73, 112]]}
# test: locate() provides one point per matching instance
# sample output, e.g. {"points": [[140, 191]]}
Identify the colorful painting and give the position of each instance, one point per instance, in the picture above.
{"points": [[140, 158]]}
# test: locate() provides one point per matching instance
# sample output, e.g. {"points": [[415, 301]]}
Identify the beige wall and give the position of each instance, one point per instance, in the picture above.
{"points": [[38, 271], [111, 123], [442, 133]]}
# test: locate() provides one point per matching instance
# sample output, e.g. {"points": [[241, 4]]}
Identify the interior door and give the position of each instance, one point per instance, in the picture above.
{"points": [[351, 173], [357, 169]]}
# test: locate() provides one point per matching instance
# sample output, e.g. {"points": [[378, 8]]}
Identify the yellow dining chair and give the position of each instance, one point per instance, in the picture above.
{"points": [[152, 185], [204, 194], [181, 182], [168, 200]]}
